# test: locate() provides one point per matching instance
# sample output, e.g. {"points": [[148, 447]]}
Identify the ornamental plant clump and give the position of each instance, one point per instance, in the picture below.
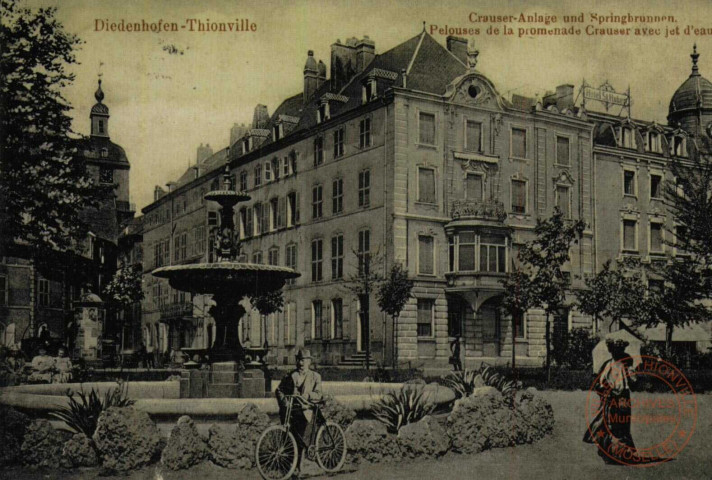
{"points": [[396, 409], [82, 416], [464, 383]]}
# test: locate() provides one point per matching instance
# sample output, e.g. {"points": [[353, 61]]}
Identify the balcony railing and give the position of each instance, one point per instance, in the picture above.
{"points": [[176, 310], [478, 210]]}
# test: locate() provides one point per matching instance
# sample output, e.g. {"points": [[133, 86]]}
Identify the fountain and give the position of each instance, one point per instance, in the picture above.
{"points": [[229, 282]]}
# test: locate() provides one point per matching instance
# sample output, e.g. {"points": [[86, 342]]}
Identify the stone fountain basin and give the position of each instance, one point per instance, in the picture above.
{"points": [[161, 399]]}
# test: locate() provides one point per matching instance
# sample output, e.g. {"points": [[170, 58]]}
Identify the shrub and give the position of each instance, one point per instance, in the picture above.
{"points": [[337, 412], [82, 416], [464, 383], [579, 349], [405, 406]]}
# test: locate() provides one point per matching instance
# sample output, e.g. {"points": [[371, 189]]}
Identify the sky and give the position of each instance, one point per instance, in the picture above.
{"points": [[168, 92]]}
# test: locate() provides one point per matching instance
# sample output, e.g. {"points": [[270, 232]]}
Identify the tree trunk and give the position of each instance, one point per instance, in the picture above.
{"points": [[547, 338], [668, 340], [395, 342], [514, 336]]}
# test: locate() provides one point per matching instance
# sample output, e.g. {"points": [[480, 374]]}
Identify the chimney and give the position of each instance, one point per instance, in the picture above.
{"points": [[260, 119], [203, 153], [237, 132], [158, 192], [564, 97], [321, 75], [365, 53], [343, 62], [458, 47], [311, 72]]}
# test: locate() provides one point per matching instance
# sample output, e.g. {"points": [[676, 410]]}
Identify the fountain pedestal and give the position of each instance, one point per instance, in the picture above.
{"points": [[223, 380]]}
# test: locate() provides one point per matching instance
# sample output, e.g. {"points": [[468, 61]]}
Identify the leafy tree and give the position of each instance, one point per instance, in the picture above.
{"points": [[543, 259], [519, 296], [125, 287], [268, 303], [362, 284], [43, 185], [680, 299], [392, 295], [613, 292]]}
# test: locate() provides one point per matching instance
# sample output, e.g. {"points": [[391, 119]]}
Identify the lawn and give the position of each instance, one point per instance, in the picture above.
{"points": [[560, 456]]}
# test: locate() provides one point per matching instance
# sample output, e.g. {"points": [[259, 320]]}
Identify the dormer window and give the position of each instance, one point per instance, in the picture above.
{"points": [[277, 131], [653, 142], [627, 138], [678, 146], [104, 152], [369, 90], [323, 112], [247, 144]]}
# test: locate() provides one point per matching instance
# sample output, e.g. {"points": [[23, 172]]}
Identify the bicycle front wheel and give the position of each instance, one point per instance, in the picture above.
{"points": [[276, 453], [330, 447]]}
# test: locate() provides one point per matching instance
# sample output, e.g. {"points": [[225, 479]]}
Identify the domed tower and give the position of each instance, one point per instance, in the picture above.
{"points": [[691, 105], [99, 115]]}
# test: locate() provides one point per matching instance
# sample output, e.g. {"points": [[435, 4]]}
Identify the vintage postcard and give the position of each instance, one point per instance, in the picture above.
{"points": [[304, 239]]}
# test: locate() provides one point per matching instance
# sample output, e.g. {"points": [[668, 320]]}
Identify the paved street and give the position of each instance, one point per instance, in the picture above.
{"points": [[561, 456]]}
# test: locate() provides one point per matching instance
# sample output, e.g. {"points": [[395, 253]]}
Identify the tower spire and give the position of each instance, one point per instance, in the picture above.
{"points": [[99, 94], [695, 56]]}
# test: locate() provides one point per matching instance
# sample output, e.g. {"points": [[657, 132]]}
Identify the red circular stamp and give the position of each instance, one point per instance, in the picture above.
{"points": [[661, 416]]}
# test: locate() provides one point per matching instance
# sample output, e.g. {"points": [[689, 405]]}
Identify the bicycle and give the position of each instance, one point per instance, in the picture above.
{"points": [[277, 452]]}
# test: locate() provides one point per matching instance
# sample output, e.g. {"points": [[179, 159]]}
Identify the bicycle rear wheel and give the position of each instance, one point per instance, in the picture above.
{"points": [[330, 447], [276, 453]]}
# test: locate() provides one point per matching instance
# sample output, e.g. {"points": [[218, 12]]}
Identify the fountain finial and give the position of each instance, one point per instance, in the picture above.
{"points": [[227, 180]]}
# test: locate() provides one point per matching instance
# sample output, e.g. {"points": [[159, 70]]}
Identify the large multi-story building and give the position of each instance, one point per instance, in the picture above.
{"points": [[33, 297], [412, 156]]}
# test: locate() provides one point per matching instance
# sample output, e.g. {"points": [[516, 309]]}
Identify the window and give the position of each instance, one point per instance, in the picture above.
{"points": [[273, 256], [467, 244], [286, 166], [322, 114], [106, 175], [563, 200], [656, 186], [519, 196], [493, 255], [249, 228], [317, 260], [337, 257], [653, 143], [243, 181], [275, 168], [627, 138], [369, 90], [337, 318], [166, 251], [680, 239], [184, 245], [474, 187], [264, 228], [338, 142], [290, 259], [292, 162], [656, 237], [426, 255], [678, 147], [363, 252], [628, 182], [563, 150], [630, 241], [337, 196], [519, 325], [258, 175], [473, 136], [364, 133], [318, 151], [277, 132], [104, 152], [177, 248], [243, 223], [426, 185], [292, 209], [257, 209], [213, 219], [199, 239], [3, 290], [426, 311], [274, 214], [257, 257], [426, 122], [268, 172], [519, 143], [101, 126], [317, 201], [317, 319], [364, 188], [43, 292]]}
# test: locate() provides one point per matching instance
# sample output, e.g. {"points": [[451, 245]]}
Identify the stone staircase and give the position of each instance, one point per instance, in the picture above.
{"points": [[356, 360]]}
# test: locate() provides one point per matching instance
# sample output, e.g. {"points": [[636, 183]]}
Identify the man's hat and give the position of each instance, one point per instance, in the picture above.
{"points": [[618, 344], [303, 353]]}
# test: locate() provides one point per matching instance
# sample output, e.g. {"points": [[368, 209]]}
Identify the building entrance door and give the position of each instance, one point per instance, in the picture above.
{"points": [[491, 332]]}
